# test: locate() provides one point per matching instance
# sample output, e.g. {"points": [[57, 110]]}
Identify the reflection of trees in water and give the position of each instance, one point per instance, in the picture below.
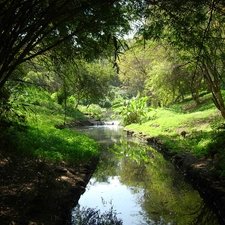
{"points": [[193, 213], [202, 215], [133, 173], [132, 158], [134, 151], [165, 198], [107, 166]]}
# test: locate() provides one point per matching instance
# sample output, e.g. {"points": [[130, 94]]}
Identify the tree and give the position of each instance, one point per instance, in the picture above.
{"points": [[195, 27], [134, 66], [87, 82], [188, 80], [32, 27]]}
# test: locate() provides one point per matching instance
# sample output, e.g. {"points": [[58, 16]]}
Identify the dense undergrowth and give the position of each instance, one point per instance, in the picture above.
{"points": [[28, 129], [199, 129]]}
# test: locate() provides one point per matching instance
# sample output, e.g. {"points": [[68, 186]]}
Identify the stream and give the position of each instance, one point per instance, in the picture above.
{"points": [[139, 184]]}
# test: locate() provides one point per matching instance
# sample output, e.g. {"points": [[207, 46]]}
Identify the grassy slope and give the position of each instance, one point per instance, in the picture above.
{"points": [[41, 139], [198, 121]]}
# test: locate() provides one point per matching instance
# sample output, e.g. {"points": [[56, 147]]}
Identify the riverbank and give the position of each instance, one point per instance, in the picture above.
{"points": [[34, 192], [191, 139], [43, 170], [199, 171]]}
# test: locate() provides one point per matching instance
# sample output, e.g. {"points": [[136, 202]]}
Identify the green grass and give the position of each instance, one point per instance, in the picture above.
{"points": [[198, 121], [37, 136], [55, 145]]}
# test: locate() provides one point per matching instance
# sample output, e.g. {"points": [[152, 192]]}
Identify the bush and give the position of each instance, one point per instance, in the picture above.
{"points": [[133, 110], [93, 109]]}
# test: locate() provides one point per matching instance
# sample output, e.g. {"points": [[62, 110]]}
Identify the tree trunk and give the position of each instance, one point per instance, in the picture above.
{"points": [[212, 79]]}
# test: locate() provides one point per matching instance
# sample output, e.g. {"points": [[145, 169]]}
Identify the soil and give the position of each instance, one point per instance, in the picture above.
{"points": [[33, 192]]}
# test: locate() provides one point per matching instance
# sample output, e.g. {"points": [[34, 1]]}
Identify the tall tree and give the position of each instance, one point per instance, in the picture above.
{"points": [[134, 66], [87, 82], [197, 28], [33, 27]]}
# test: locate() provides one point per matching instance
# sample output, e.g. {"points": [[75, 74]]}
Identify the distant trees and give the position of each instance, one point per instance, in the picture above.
{"points": [[158, 71], [134, 66], [88, 83], [196, 29]]}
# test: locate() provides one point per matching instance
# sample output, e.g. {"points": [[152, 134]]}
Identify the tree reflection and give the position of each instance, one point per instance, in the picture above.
{"points": [[107, 166], [203, 215], [167, 198], [161, 191]]}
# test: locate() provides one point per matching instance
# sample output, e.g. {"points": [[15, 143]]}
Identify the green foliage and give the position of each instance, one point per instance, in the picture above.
{"points": [[196, 37], [33, 96], [55, 145], [134, 67], [88, 82], [66, 28], [37, 136], [89, 216], [161, 83], [218, 135], [158, 70], [93, 110], [133, 110], [12, 114], [216, 147], [166, 124]]}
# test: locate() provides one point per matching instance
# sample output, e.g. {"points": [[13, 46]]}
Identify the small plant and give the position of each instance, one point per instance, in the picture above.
{"points": [[90, 216], [133, 110]]}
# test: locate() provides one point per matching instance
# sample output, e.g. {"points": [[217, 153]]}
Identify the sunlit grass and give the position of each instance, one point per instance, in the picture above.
{"points": [[196, 120], [55, 145], [41, 139]]}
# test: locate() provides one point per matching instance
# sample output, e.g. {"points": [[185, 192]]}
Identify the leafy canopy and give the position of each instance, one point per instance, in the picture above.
{"points": [[34, 27]]}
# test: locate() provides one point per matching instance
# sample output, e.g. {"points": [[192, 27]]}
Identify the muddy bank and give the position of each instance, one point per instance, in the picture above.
{"points": [[201, 171], [38, 193]]}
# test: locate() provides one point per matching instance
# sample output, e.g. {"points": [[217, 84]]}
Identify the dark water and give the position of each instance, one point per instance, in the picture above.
{"points": [[140, 184]]}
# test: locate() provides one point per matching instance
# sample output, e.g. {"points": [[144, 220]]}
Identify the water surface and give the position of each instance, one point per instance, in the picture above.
{"points": [[140, 184]]}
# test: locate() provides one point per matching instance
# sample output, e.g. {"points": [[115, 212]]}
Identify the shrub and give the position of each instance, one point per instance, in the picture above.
{"points": [[133, 110]]}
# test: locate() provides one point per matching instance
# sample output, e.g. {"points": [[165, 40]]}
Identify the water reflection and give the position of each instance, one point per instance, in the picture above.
{"points": [[141, 185]]}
